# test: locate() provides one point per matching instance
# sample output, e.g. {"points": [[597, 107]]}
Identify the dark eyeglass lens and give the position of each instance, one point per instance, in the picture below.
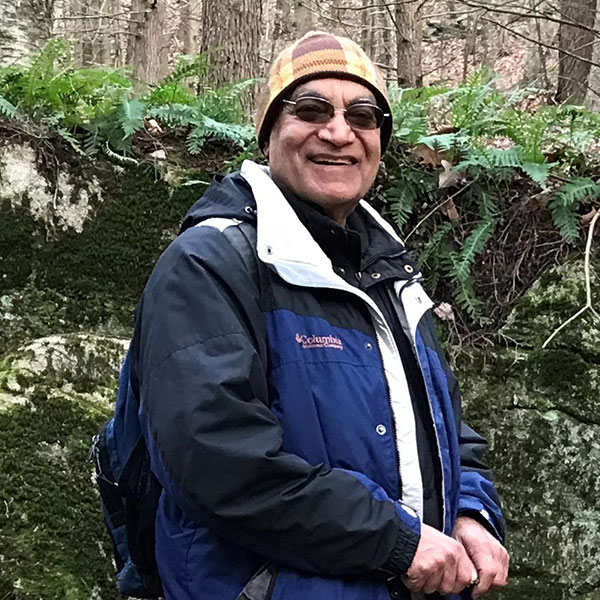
{"points": [[313, 111], [360, 116], [363, 116]]}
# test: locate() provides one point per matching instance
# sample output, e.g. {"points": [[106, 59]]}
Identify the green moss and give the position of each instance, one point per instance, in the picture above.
{"points": [[68, 281], [554, 298], [50, 524]]}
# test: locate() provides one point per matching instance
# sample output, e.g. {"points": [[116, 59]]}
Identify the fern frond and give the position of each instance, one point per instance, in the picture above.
{"points": [[565, 203], [443, 141], [492, 158], [131, 116], [239, 134], [488, 207], [187, 65], [174, 115], [466, 299], [536, 172], [440, 234], [472, 246], [126, 160], [7, 109], [401, 207], [195, 140], [71, 140]]}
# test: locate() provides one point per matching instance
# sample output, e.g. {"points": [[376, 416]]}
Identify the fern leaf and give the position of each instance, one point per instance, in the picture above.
{"points": [[565, 219], [7, 109], [127, 160], [433, 244], [131, 117], [488, 208], [565, 203], [174, 115], [239, 134], [195, 140], [466, 299], [581, 188], [402, 208], [472, 246], [536, 172], [443, 141], [72, 141]]}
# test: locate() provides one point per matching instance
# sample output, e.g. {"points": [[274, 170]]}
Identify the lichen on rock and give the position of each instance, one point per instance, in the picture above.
{"points": [[22, 183], [551, 300], [50, 518]]}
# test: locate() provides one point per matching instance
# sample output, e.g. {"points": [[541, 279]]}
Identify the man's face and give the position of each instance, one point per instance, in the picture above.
{"points": [[331, 164]]}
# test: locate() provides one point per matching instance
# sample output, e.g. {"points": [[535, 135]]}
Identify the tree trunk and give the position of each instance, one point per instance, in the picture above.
{"points": [[150, 41], [231, 31], [592, 99], [304, 18], [25, 26], [573, 72], [409, 33], [186, 32]]}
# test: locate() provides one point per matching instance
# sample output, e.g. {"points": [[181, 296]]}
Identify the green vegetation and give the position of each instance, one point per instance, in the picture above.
{"points": [[463, 165], [497, 160], [103, 109]]}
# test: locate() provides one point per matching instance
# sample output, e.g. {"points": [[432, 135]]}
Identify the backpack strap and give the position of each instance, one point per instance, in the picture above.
{"points": [[242, 236]]}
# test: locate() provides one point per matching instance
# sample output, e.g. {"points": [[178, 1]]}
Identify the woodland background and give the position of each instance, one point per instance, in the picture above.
{"points": [[114, 115], [552, 44]]}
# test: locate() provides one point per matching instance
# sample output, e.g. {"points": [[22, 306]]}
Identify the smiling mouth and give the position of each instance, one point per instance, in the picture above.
{"points": [[333, 161]]}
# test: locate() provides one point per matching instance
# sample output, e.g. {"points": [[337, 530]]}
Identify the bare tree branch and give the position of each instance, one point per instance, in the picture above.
{"points": [[359, 8], [488, 7], [534, 41]]}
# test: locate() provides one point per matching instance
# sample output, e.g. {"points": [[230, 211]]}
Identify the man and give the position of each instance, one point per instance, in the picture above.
{"points": [[300, 416]]}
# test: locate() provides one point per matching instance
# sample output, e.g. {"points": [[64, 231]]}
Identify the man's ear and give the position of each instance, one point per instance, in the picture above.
{"points": [[266, 150]]}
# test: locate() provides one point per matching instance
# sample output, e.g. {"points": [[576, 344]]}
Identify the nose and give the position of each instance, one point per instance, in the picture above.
{"points": [[337, 131]]}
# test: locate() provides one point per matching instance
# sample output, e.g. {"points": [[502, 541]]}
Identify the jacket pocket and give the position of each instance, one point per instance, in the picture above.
{"points": [[260, 587]]}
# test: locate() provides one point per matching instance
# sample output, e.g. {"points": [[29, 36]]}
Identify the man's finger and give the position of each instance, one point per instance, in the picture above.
{"points": [[433, 582], [487, 574]]}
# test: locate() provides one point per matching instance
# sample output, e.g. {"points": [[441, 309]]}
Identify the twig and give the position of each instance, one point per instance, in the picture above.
{"points": [[531, 14], [437, 207], [588, 285], [359, 8], [534, 41]]}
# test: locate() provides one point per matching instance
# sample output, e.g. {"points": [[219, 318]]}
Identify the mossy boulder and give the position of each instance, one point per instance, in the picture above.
{"points": [[540, 411], [556, 296], [54, 395], [78, 241]]}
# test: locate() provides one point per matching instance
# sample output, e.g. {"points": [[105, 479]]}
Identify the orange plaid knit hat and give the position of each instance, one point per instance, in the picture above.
{"points": [[319, 54]]}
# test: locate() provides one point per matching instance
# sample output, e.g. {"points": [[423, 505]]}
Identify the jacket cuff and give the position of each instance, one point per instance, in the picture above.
{"points": [[409, 535], [482, 516]]}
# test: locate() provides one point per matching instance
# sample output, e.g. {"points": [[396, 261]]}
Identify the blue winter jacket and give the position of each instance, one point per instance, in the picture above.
{"points": [[277, 413]]}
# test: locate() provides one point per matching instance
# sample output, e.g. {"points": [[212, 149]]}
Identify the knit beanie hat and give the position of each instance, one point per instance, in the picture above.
{"points": [[319, 54]]}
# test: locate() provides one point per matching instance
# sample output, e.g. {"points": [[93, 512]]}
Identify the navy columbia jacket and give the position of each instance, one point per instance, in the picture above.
{"points": [[278, 417]]}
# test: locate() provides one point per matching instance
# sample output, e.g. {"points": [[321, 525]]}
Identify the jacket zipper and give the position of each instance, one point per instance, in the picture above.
{"points": [[393, 419], [437, 439]]}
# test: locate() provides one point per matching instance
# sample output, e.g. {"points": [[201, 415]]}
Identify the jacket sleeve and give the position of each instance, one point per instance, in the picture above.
{"points": [[200, 363]]}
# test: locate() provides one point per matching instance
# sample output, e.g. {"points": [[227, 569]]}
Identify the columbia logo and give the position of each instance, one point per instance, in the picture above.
{"points": [[319, 341]]}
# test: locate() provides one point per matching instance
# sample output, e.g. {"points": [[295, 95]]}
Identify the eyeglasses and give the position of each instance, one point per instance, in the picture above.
{"points": [[362, 115]]}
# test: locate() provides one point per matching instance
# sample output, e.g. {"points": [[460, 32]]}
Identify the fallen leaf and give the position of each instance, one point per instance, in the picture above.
{"points": [[449, 209], [587, 218], [448, 177], [444, 311], [154, 127], [427, 155], [159, 154]]}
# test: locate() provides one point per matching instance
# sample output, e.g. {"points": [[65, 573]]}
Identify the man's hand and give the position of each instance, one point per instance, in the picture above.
{"points": [[440, 564], [487, 554]]}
